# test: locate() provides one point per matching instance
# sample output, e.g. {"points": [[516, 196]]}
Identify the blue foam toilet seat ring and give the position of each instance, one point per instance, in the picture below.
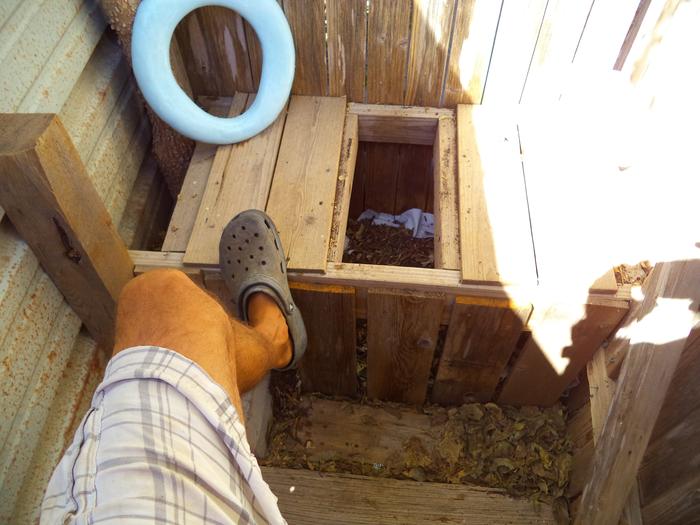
{"points": [[153, 29]]}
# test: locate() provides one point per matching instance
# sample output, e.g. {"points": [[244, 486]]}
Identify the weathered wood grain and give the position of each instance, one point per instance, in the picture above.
{"points": [[318, 499], [430, 39], [398, 124], [344, 189], [481, 337], [446, 195], [330, 364], [303, 188], [381, 175], [415, 177], [546, 365], [194, 186], [347, 42], [215, 51], [388, 37], [243, 183], [646, 375], [402, 332], [306, 20], [50, 200]]}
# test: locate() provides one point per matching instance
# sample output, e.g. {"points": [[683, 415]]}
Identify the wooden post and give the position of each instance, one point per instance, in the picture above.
{"points": [[52, 203], [646, 375]]}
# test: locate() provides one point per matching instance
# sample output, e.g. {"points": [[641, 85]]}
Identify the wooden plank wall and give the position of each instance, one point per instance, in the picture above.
{"points": [[417, 52]]}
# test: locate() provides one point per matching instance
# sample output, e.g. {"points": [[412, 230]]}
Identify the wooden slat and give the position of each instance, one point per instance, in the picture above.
{"points": [[313, 498], [496, 242], [446, 193], [565, 338], [303, 189], [344, 189], [559, 35], [228, 50], [677, 505], [415, 176], [357, 199], [430, 36], [481, 337], [306, 20], [398, 124], [374, 276], [515, 42], [254, 52], [243, 183], [192, 191], [580, 431], [646, 375], [338, 429], [601, 393], [381, 176], [665, 477], [330, 363], [215, 51], [47, 194], [347, 40], [388, 37], [402, 333], [472, 42]]}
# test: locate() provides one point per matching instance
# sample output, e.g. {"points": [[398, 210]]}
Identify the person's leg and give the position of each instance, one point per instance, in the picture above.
{"points": [[165, 308], [269, 326]]}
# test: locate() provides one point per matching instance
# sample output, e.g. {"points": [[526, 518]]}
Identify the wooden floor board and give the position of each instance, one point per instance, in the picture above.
{"points": [[312, 498], [303, 188]]}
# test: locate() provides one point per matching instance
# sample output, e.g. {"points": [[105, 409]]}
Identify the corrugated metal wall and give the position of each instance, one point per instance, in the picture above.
{"points": [[57, 56]]}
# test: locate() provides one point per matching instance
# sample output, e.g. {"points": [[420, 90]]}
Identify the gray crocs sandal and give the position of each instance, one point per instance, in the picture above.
{"points": [[252, 260]]}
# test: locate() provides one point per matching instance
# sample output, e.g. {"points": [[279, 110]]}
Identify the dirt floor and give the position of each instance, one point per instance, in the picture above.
{"points": [[370, 244]]}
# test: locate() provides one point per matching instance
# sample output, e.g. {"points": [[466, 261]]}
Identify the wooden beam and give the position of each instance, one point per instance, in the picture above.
{"points": [[446, 195], [49, 198], [317, 498], [601, 389], [377, 276], [645, 377]]}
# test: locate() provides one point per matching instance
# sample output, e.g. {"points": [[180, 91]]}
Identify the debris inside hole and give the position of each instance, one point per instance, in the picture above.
{"points": [[378, 244]]}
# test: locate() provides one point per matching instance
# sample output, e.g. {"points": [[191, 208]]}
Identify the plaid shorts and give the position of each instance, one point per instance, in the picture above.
{"points": [[161, 443]]}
